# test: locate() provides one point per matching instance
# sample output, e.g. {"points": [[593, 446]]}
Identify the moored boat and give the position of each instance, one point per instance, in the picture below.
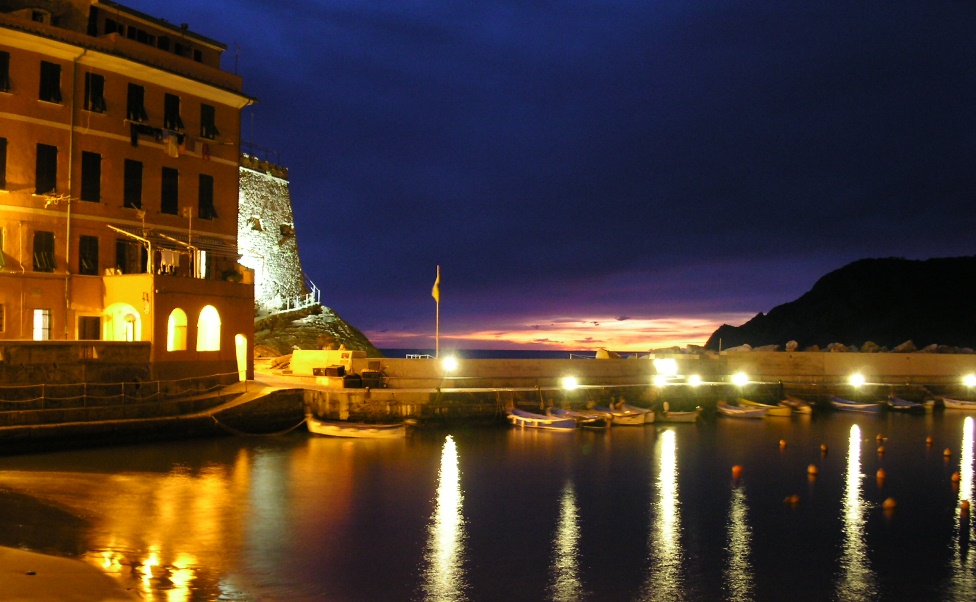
{"points": [[356, 430], [524, 419], [779, 411], [959, 404], [584, 419], [623, 417], [733, 411], [667, 415], [898, 404], [648, 414], [800, 406], [847, 405]]}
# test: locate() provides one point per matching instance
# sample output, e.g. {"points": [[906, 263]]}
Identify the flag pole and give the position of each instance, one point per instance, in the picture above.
{"points": [[436, 293]]}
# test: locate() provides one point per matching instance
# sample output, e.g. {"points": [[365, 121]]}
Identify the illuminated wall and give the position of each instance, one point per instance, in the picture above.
{"points": [[266, 237]]}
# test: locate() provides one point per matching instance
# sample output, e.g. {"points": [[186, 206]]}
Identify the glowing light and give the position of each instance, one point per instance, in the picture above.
{"points": [[660, 380], [444, 557], [740, 379], [964, 561], [566, 584], [857, 379], [666, 366], [570, 383], [969, 380], [694, 380], [449, 363]]}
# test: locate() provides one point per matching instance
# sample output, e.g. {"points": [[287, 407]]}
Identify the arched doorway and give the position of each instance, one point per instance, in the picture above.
{"points": [[122, 323]]}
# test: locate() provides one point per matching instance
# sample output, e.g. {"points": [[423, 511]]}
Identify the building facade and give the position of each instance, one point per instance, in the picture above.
{"points": [[119, 171]]}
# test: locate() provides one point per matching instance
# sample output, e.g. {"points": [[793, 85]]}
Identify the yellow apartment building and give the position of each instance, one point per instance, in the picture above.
{"points": [[119, 170]]}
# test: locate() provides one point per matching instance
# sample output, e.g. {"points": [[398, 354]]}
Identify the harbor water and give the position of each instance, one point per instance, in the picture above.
{"points": [[633, 513]]}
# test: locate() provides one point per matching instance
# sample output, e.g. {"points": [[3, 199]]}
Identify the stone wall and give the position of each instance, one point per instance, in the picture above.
{"points": [[266, 233]]}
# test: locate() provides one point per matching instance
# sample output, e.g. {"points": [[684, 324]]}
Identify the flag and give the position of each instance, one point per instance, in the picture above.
{"points": [[436, 291]]}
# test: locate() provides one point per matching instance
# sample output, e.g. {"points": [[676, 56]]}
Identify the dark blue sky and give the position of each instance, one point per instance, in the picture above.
{"points": [[621, 174]]}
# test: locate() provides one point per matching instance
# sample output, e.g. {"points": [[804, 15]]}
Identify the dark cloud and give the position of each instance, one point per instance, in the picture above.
{"points": [[638, 159]]}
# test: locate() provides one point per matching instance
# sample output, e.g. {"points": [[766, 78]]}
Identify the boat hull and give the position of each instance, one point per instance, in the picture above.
{"points": [[846, 405], [799, 406], [523, 419], [355, 430], [739, 412], [958, 404], [780, 411], [680, 417]]}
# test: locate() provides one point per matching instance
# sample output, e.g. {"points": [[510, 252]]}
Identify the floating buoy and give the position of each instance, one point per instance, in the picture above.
{"points": [[964, 507], [880, 437], [947, 452], [782, 442], [889, 504], [792, 500], [955, 477], [823, 448], [928, 441], [881, 474], [881, 450], [736, 471], [812, 469]]}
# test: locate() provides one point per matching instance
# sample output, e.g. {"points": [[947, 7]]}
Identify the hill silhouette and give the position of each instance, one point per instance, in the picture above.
{"points": [[885, 301]]}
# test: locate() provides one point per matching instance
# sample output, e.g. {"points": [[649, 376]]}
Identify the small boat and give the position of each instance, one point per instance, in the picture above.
{"points": [[733, 411], [667, 415], [356, 430], [623, 417], [898, 404], [800, 406], [526, 419], [846, 405], [959, 404], [584, 419], [648, 414], [778, 411]]}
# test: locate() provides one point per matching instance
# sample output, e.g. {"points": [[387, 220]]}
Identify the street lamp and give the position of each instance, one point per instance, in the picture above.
{"points": [[857, 380], [570, 383], [449, 363], [740, 379], [694, 380]]}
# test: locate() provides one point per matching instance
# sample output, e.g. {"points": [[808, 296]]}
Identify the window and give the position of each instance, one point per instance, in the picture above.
{"points": [[50, 82], [171, 112], [91, 176], [3, 163], [89, 328], [4, 72], [130, 256], [208, 329], [176, 331], [42, 325], [208, 121], [206, 209], [170, 191], [46, 174], [132, 184], [136, 103], [112, 27], [94, 93], [44, 251], [88, 255]]}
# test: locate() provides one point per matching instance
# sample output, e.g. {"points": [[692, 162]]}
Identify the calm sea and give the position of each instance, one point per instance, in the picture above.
{"points": [[635, 513], [496, 354]]}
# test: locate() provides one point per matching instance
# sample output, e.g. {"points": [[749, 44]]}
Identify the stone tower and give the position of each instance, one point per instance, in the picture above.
{"points": [[266, 238]]}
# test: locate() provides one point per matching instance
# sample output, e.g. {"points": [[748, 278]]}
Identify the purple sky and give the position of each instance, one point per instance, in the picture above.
{"points": [[590, 174]]}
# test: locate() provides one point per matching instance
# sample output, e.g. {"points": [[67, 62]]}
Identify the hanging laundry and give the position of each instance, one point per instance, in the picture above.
{"points": [[170, 144]]}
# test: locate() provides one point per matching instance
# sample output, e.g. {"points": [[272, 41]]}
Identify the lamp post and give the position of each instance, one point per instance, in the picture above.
{"points": [[970, 381]]}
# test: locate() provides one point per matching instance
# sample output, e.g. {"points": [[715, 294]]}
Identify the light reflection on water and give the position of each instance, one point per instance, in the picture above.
{"points": [[963, 582], [565, 570], [664, 580], [738, 573], [857, 580], [444, 556]]}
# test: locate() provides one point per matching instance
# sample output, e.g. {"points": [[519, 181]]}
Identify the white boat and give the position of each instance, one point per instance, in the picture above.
{"points": [[726, 409], [800, 406], [779, 411], [356, 430], [897, 404], [648, 414], [959, 404], [524, 419], [624, 417], [667, 415]]}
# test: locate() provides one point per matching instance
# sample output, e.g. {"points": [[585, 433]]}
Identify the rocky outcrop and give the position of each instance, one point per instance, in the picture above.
{"points": [[886, 302], [317, 327]]}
